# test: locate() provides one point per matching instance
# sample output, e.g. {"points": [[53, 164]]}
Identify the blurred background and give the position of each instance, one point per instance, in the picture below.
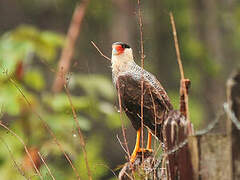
{"points": [[32, 36]]}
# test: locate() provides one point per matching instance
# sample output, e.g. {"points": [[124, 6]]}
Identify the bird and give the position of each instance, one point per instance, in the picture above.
{"points": [[127, 77]]}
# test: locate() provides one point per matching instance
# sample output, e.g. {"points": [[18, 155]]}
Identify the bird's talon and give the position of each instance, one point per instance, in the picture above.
{"points": [[145, 150]]}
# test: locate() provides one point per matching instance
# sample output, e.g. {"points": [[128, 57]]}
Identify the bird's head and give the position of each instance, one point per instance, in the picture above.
{"points": [[121, 55], [119, 48]]}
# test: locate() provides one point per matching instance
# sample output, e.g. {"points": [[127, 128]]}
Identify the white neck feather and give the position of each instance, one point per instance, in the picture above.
{"points": [[120, 63]]}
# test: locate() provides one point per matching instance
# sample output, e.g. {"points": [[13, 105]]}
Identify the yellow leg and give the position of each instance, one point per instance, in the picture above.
{"points": [[149, 141], [137, 146]]}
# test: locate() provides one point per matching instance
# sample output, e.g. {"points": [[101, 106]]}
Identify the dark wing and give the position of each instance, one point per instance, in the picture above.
{"points": [[158, 90], [156, 103]]}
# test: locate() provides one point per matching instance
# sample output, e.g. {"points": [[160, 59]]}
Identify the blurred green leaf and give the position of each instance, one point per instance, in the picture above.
{"points": [[95, 85], [9, 99], [34, 79], [11, 52], [21, 43], [60, 102], [44, 43], [59, 120]]}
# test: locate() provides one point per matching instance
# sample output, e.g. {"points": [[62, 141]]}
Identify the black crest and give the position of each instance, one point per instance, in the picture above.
{"points": [[122, 44]]}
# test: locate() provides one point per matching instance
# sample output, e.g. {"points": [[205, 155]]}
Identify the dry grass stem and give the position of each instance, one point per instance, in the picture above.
{"points": [[107, 167], [155, 117], [123, 128], [142, 65], [176, 45], [182, 84], [49, 171], [82, 142], [121, 144]]}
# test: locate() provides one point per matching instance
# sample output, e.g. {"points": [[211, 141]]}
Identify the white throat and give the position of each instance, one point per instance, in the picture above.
{"points": [[121, 63]]}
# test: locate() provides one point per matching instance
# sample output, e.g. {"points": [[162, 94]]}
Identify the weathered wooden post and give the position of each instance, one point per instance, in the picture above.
{"points": [[175, 133], [217, 155], [233, 123], [211, 156]]}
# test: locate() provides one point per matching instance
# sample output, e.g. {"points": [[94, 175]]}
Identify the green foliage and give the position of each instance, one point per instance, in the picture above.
{"points": [[44, 43], [31, 77], [21, 43], [9, 104], [19, 49], [95, 85]]}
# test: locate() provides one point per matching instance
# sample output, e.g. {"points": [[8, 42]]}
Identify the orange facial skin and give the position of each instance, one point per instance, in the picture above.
{"points": [[118, 48]]}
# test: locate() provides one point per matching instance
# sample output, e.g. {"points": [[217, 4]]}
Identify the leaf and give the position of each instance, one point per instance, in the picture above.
{"points": [[9, 99], [60, 102], [44, 42], [11, 52], [34, 79], [95, 85]]}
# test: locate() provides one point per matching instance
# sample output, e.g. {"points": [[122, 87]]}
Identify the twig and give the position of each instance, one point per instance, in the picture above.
{"points": [[176, 45], [123, 128], [68, 51], [182, 84], [142, 65], [100, 52], [107, 167], [14, 161], [141, 33], [49, 171], [121, 144], [82, 142], [25, 148], [155, 119]]}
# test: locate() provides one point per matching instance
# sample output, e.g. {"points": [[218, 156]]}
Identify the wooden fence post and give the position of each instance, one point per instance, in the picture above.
{"points": [[211, 156], [217, 156], [233, 122], [175, 132]]}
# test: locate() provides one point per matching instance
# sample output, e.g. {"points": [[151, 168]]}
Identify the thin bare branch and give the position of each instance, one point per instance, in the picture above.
{"points": [[121, 144], [49, 171], [68, 51], [176, 45], [123, 128], [100, 52], [107, 167], [155, 129], [25, 148], [142, 65], [82, 142], [182, 84]]}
